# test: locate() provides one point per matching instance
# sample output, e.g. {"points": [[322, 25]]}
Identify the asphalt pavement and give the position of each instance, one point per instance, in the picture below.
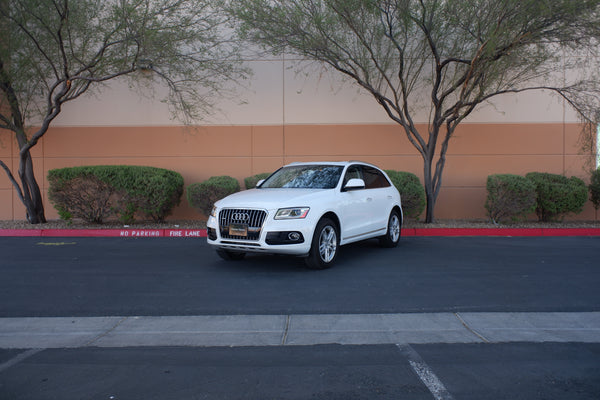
{"points": [[516, 371], [99, 277], [160, 318]]}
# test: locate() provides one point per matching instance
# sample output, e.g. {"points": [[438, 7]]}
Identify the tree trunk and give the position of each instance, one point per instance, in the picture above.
{"points": [[31, 194], [429, 190], [433, 178], [429, 216]]}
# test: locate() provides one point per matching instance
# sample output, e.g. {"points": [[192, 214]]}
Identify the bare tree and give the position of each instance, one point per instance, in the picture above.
{"points": [[447, 57], [54, 51]]}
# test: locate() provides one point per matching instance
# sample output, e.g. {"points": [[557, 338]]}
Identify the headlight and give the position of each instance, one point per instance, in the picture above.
{"points": [[213, 212], [292, 213]]}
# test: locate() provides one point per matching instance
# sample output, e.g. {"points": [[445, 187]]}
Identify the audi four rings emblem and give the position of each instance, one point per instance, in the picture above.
{"points": [[240, 217]]}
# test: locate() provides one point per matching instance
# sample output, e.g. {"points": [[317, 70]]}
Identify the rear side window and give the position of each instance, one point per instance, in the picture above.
{"points": [[374, 178]]}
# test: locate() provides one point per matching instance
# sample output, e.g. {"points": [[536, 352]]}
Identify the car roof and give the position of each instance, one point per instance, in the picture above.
{"points": [[338, 163]]}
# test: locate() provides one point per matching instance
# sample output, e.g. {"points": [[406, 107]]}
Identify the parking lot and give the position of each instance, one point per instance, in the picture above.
{"points": [[442, 318]]}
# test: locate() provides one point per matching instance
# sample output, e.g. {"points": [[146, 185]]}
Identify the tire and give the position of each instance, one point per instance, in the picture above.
{"points": [[231, 255], [394, 231], [325, 245]]}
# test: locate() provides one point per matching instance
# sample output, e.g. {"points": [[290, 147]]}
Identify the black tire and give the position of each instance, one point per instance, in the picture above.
{"points": [[325, 245], [394, 230], [231, 255]]}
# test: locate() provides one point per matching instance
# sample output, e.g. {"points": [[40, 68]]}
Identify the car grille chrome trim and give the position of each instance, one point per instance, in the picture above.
{"points": [[253, 219]]}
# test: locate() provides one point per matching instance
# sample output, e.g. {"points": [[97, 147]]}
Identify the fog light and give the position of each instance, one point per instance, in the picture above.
{"points": [[283, 238], [294, 236]]}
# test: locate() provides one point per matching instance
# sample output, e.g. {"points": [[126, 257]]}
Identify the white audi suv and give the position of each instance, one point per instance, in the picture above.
{"points": [[308, 210]]}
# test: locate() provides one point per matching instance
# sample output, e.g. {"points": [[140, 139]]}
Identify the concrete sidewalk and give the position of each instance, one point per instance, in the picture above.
{"points": [[282, 330]]}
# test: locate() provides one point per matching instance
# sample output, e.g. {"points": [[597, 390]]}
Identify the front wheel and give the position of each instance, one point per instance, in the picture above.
{"points": [[392, 236], [325, 244]]}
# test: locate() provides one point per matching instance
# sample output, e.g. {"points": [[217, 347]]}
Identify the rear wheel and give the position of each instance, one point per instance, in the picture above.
{"points": [[325, 244], [231, 255], [392, 236]]}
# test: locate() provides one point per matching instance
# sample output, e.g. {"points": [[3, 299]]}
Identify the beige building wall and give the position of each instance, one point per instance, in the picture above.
{"points": [[291, 111]]}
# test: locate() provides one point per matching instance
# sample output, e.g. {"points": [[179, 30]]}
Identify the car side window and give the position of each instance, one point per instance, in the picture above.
{"points": [[373, 178], [353, 172]]}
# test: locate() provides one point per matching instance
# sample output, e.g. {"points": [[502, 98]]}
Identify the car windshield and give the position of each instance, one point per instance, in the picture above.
{"points": [[305, 177]]}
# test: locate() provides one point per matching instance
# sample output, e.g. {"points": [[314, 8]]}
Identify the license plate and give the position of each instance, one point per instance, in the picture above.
{"points": [[238, 230]]}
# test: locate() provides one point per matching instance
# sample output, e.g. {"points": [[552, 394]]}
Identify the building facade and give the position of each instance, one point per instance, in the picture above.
{"points": [[291, 111]]}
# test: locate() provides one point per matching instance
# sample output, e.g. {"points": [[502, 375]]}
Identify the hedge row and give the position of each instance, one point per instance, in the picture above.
{"points": [[411, 192], [203, 195], [253, 180], [96, 193], [551, 196], [510, 196]]}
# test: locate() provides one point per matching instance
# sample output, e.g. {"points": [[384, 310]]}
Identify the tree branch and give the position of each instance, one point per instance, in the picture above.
{"points": [[12, 180]]}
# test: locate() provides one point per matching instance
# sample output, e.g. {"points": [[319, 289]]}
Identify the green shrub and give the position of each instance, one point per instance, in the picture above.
{"points": [[81, 196], [203, 195], [557, 195], [411, 191], [595, 188], [95, 193], [509, 196], [153, 192], [251, 181]]}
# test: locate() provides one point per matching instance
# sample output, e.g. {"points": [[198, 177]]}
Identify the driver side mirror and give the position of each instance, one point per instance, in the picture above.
{"points": [[354, 184]]}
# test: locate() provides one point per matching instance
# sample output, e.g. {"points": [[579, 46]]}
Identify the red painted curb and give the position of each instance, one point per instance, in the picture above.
{"points": [[201, 233], [571, 231], [20, 232], [477, 232], [185, 233], [504, 232], [198, 233]]}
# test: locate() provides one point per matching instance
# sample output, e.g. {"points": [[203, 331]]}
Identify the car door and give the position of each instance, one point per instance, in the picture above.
{"points": [[377, 197], [358, 206]]}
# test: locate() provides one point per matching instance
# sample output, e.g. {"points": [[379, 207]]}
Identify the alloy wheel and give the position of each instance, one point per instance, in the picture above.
{"points": [[327, 244]]}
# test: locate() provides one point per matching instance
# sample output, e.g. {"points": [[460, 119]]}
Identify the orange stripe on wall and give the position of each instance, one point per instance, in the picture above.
{"points": [[476, 151]]}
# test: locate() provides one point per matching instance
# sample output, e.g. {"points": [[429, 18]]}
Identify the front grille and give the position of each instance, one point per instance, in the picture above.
{"points": [[241, 221]]}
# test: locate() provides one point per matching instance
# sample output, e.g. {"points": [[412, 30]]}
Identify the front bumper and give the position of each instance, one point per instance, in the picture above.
{"points": [[291, 237]]}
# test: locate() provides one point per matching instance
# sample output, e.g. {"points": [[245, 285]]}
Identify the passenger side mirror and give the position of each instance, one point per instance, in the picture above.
{"points": [[259, 183], [354, 184]]}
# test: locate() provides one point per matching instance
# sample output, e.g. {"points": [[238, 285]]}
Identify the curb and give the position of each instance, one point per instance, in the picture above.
{"points": [[174, 233], [201, 233], [502, 232]]}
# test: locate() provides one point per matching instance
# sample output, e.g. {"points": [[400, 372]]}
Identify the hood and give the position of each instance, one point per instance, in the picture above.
{"points": [[270, 199]]}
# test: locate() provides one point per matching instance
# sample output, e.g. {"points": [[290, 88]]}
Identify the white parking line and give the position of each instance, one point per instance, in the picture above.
{"points": [[425, 374]]}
